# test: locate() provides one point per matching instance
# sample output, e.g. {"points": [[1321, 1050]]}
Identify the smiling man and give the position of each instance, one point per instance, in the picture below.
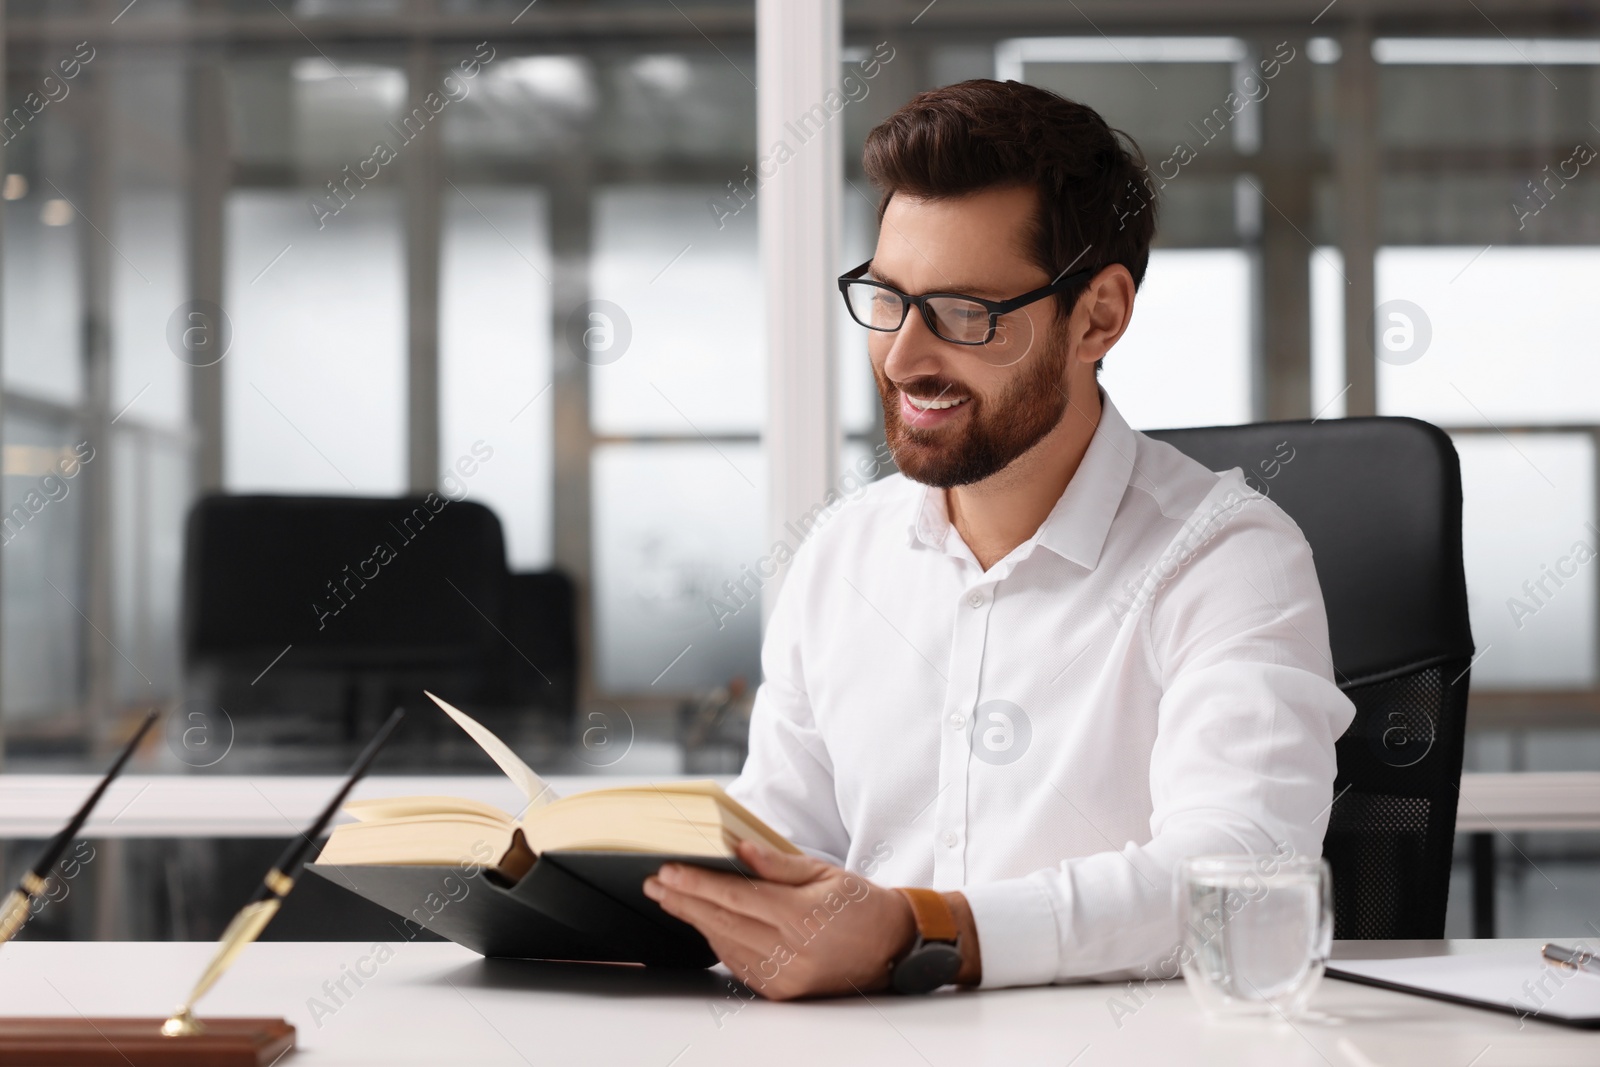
{"points": [[1007, 690]]}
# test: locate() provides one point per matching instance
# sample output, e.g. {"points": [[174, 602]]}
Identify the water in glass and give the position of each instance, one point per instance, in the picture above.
{"points": [[1257, 931]]}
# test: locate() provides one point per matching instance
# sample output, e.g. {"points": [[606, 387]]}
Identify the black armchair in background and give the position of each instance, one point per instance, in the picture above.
{"points": [[1379, 500], [307, 618]]}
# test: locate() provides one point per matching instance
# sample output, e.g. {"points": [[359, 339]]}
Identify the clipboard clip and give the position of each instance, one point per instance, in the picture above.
{"points": [[1577, 959]]}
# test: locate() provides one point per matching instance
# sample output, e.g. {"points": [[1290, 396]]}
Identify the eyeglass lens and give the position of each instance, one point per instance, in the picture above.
{"points": [[954, 319]]}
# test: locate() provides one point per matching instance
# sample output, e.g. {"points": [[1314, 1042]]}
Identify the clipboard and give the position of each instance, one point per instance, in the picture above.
{"points": [[1520, 983]]}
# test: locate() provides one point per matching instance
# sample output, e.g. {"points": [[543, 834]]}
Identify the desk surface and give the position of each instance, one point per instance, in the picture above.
{"points": [[36, 805], [435, 1004]]}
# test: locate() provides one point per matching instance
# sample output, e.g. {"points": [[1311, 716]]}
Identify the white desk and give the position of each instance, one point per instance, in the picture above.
{"points": [[36, 805], [439, 1004], [1543, 800]]}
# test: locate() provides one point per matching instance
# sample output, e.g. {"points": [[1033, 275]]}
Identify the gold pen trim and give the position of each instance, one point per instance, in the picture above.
{"points": [[32, 884], [278, 882], [245, 928], [13, 913]]}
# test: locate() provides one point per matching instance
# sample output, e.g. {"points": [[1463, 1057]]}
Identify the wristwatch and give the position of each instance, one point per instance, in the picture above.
{"points": [[934, 959]]}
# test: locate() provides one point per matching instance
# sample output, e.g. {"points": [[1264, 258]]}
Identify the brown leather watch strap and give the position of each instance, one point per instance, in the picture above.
{"points": [[935, 920]]}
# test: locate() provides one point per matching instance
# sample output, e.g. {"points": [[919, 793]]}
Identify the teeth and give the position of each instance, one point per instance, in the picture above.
{"points": [[935, 405]]}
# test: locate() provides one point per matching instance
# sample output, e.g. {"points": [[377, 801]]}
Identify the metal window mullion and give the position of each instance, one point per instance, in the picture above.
{"points": [[209, 177], [99, 208], [1358, 175], [422, 242], [5, 399], [571, 209], [1287, 177], [98, 629]]}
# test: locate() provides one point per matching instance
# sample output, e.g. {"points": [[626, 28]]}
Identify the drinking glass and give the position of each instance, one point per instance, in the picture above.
{"points": [[1257, 931]]}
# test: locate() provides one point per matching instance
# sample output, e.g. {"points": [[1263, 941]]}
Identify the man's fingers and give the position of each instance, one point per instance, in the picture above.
{"points": [[757, 939], [786, 867], [735, 892]]}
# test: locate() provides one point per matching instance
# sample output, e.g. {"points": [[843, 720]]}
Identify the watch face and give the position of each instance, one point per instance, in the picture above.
{"points": [[929, 966]]}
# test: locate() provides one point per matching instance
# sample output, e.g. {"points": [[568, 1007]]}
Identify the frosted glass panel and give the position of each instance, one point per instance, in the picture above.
{"points": [[1529, 500], [524, 106], [341, 108], [314, 384], [1185, 360], [150, 496], [696, 360], [41, 633], [858, 393], [494, 361], [677, 531], [1512, 335], [148, 382], [1136, 94], [43, 301], [1330, 390]]}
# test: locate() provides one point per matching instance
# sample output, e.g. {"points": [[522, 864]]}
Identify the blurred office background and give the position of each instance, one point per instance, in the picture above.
{"points": [[1366, 208]]}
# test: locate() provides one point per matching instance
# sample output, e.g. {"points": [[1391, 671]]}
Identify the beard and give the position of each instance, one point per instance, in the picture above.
{"points": [[995, 433]]}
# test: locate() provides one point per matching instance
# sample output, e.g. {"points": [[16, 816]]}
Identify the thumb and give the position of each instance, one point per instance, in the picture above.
{"points": [[786, 867]]}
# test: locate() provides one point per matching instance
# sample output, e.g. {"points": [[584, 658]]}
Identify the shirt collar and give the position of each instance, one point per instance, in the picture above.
{"points": [[1077, 526]]}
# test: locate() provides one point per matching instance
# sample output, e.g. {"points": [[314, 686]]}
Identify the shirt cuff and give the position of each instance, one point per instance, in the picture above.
{"points": [[1017, 933]]}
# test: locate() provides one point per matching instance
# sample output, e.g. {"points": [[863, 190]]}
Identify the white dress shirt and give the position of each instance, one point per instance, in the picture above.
{"points": [[1145, 678]]}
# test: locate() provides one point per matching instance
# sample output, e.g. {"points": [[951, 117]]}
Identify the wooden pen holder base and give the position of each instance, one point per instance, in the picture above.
{"points": [[76, 1041]]}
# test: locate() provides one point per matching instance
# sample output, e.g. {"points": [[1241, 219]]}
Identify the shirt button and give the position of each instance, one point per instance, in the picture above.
{"points": [[976, 600], [948, 839], [958, 720]]}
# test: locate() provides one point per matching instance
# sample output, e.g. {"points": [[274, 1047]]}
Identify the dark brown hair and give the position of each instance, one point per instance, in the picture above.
{"points": [[979, 134]]}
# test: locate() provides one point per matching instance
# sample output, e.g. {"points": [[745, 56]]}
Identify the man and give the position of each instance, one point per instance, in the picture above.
{"points": [[1048, 659]]}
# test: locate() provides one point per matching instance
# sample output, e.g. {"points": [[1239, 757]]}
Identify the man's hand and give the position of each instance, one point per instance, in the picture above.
{"points": [[804, 929]]}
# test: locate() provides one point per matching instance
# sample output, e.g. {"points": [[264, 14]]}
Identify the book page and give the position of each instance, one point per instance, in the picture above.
{"points": [[401, 807], [534, 788], [743, 822]]}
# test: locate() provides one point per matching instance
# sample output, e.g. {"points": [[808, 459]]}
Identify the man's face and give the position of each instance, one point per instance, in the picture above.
{"points": [[957, 414]]}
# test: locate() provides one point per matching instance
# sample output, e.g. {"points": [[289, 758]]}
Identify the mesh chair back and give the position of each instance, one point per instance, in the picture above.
{"points": [[1379, 500]]}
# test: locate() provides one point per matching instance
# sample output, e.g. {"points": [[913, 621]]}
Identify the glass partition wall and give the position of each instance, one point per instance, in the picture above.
{"points": [[330, 247], [338, 249]]}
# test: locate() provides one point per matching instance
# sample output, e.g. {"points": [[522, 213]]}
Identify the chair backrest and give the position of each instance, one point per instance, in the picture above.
{"points": [[348, 581], [359, 603], [1379, 500]]}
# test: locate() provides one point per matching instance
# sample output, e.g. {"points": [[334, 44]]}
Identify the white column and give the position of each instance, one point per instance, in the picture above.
{"points": [[797, 64]]}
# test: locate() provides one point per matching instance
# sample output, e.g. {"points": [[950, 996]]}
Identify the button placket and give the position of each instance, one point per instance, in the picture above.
{"points": [[949, 832]]}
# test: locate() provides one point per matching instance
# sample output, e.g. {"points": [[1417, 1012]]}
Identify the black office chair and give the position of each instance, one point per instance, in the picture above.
{"points": [[1379, 500], [314, 615]]}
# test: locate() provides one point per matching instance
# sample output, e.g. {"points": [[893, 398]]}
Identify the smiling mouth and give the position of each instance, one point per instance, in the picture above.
{"points": [[934, 404]]}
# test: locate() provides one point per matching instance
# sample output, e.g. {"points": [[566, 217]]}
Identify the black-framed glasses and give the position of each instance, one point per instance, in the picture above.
{"points": [[954, 317]]}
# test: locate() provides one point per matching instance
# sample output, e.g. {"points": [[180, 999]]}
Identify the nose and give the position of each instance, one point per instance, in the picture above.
{"points": [[914, 351]]}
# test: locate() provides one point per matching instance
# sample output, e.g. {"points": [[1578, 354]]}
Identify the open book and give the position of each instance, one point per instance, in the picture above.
{"points": [[680, 818], [564, 880]]}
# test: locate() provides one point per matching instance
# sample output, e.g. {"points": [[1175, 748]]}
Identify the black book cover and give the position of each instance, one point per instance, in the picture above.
{"points": [[571, 905]]}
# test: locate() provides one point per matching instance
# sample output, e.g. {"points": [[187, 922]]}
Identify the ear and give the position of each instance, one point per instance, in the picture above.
{"points": [[1101, 315]]}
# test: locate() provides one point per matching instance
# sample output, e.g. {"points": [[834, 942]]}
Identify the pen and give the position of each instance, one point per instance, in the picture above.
{"points": [[259, 910], [1580, 959], [14, 912]]}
